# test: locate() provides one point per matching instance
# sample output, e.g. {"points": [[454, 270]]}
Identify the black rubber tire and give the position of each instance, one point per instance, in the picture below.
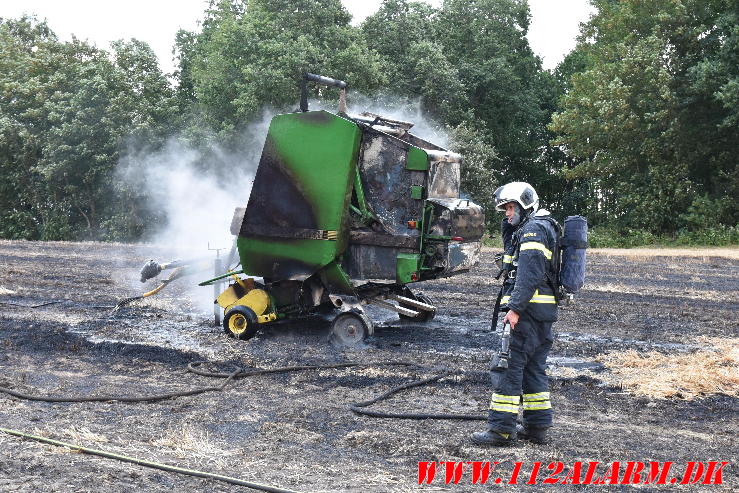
{"points": [[349, 329], [423, 316], [235, 317]]}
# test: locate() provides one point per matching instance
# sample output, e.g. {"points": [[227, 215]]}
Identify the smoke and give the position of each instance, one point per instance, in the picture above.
{"points": [[193, 201], [393, 107], [193, 193]]}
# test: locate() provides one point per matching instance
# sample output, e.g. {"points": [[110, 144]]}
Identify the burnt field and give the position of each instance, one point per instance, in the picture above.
{"points": [[58, 336]]}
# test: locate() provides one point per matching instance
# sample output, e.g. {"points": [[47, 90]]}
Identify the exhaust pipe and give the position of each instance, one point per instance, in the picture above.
{"points": [[326, 81]]}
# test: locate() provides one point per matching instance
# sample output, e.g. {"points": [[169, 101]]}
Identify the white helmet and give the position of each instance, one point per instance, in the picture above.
{"points": [[519, 192]]}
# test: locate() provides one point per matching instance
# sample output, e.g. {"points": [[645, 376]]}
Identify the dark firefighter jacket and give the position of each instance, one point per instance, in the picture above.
{"points": [[529, 251]]}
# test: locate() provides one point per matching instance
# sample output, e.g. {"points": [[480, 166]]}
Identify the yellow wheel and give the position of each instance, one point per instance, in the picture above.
{"points": [[241, 322]]}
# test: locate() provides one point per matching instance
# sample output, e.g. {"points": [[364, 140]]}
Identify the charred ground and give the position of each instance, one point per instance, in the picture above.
{"points": [[294, 429]]}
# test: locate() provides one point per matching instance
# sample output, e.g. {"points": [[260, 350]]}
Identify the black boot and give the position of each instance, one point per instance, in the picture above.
{"points": [[492, 437], [532, 433]]}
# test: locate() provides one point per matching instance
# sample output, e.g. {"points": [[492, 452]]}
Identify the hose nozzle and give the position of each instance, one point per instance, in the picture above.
{"points": [[149, 270]]}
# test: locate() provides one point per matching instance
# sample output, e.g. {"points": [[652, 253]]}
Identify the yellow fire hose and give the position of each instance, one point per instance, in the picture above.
{"points": [[145, 463], [177, 273]]}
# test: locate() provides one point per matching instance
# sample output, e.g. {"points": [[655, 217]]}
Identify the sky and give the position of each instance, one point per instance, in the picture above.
{"points": [[551, 35]]}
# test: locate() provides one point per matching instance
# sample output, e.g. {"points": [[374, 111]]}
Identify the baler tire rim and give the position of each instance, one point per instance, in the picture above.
{"points": [[337, 337], [240, 313]]}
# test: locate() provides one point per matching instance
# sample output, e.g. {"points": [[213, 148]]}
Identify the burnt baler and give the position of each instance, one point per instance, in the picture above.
{"points": [[345, 211]]}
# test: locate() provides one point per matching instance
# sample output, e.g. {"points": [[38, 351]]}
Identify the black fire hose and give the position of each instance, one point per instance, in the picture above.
{"points": [[195, 367], [357, 407], [107, 398]]}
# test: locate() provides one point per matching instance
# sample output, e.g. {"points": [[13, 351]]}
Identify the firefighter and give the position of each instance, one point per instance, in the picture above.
{"points": [[528, 298]]}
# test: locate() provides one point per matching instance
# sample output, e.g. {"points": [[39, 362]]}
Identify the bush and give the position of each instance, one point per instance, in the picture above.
{"points": [[720, 235], [614, 238]]}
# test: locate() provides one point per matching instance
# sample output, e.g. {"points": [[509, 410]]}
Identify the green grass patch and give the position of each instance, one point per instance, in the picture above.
{"points": [[494, 241]]}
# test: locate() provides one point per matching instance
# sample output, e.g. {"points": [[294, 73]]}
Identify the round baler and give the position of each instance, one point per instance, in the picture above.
{"points": [[346, 210]]}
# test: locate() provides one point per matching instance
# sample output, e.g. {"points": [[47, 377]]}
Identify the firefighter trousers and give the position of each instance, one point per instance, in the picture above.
{"points": [[524, 382]]}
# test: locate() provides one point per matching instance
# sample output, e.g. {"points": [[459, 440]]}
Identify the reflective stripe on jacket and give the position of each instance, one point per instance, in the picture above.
{"points": [[532, 248]]}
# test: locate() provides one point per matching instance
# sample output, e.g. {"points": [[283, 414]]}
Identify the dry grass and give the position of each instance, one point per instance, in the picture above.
{"points": [[714, 370], [728, 252], [84, 436], [564, 372], [705, 253], [681, 292], [193, 442], [282, 429]]}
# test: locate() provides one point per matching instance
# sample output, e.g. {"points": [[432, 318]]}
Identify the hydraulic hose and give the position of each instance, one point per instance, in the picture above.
{"points": [[145, 463]]}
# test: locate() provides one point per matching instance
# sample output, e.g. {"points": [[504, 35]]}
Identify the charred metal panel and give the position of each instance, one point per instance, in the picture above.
{"points": [[387, 183], [457, 217], [276, 189], [444, 180], [461, 257], [296, 219], [380, 239], [373, 263], [419, 142]]}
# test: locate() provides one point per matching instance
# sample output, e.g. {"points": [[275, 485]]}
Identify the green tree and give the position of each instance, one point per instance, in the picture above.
{"points": [[648, 119], [501, 75], [479, 172], [406, 36], [30, 60], [508, 94], [65, 111], [252, 55]]}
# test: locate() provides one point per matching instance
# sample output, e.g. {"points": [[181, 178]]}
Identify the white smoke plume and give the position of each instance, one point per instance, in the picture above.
{"points": [[396, 108], [194, 193]]}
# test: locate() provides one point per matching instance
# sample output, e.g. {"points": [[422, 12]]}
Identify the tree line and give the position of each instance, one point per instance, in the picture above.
{"points": [[637, 128]]}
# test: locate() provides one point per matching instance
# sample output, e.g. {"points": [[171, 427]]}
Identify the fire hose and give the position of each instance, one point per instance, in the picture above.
{"points": [[195, 368], [176, 274], [358, 407], [145, 463]]}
